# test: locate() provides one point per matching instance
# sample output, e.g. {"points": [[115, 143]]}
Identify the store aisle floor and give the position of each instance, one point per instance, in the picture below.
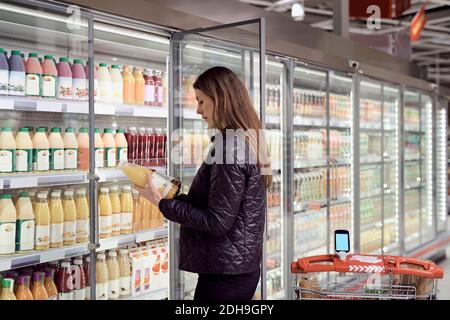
{"points": [[444, 284]]}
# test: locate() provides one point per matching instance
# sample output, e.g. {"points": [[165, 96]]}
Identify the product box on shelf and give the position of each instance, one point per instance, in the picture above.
{"points": [[137, 271]]}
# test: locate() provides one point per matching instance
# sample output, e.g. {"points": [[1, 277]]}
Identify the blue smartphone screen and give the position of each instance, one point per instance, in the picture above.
{"points": [[342, 242]]}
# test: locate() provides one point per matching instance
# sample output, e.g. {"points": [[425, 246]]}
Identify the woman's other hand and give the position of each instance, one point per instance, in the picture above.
{"points": [[150, 192]]}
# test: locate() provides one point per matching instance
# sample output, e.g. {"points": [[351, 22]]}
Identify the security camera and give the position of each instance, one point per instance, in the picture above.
{"points": [[298, 12], [434, 86], [353, 64]]}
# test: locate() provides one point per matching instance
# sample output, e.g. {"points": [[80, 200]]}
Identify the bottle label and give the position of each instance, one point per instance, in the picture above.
{"points": [[105, 224], [56, 159], [24, 235], [70, 231], [160, 95], [99, 157], [79, 294], [65, 295], [137, 281], [122, 154], [114, 289], [104, 91], [42, 159], [33, 84], [116, 222], [110, 157], [82, 228], [126, 221], [7, 160], [70, 158], [4, 82], [49, 86], [165, 187], [149, 94], [56, 233], [117, 92], [7, 237], [24, 159], [125, 286], [101, 291], [83, 158], [65, 88], [55, 297], [17, 83], [79, 89], [42, 236]]}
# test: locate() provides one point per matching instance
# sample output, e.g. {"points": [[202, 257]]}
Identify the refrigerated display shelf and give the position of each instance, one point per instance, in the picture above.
{"points": [[34, 179], [391, 247], [82, 107], [412, 237], [370, 126], [309, 205], [160, 294], [303, 164], [371, 225], [273, 119], [415, 212], [414, 186], [306, 122], [390, 220], [340, 200], [18, 260], [412, 128], [141, 236], [414, 158], [370, 159], [339, 124], [311, 251], [276, 165], [370, 194], [274, 270]]}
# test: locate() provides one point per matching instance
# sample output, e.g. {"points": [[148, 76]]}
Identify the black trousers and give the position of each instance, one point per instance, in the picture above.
{"points": [[219, 287]]}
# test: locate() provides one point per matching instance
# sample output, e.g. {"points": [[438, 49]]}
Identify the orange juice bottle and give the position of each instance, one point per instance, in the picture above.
{"points": [[116, 210], [38, 289], [105, 212], [136, 210], [70, 219], [23, 289], [42, 223], [126, 216], [56, 220], [139, 84], [128, 85]]}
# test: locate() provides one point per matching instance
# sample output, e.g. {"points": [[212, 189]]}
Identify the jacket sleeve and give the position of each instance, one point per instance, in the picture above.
{"points": [[226, 190], [182, 197]]}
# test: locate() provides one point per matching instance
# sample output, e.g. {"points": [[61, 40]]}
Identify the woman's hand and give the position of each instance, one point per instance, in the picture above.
{"points": [[150, 192]]}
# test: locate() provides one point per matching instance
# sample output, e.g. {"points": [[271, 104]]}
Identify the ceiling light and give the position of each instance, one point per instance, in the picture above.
{"points": [[298, 12]]}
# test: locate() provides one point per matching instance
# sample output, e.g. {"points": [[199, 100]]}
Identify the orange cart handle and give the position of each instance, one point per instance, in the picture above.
{"points": [[430, 269], [311, 264]]}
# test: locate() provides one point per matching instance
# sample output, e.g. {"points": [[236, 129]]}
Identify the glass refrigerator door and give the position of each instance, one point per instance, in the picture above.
{"points": [[441, 162], [426, 170], [193, 53], [310, 162], [412, 165], [370, 140], [275, 264], [132, 98], [341, 155], [391, 98]]}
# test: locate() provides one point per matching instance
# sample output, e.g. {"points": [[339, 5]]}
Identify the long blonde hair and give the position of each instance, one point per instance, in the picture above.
{"points": [[233, 109]]}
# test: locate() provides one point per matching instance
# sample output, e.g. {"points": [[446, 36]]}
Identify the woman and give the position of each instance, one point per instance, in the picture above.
{"points": [[222, 217]]}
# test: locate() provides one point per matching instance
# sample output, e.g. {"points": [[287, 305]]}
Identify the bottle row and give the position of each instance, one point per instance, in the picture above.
{"points": [[33, 150], [412, 116], [309, 103], [120, 274], [370, 179], [312, 144], [370, 111], [412, 173], [69, 81], [310, 229], [273, 93], [341, 217]]}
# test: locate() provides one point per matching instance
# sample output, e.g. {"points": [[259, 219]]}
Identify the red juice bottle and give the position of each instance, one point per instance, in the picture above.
{"points": [[159, 147], [131, 137], [164, 153], [64, 282], [158, 84], [141, 146]]}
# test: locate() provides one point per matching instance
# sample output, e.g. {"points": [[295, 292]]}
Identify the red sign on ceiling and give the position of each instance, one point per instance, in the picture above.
{"points": [[359, 8]]}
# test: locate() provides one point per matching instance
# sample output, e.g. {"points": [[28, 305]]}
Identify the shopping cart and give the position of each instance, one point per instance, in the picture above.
{"points": [[367, 277]]}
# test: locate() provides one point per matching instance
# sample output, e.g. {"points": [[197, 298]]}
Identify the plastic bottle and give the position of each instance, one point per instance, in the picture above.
{"points": [[64, 79], [82, 208], [113, 276], [7, 151], [122, 146], [49, 75], [125, 273], [70, 219], [105, 212], [149, 88], [56, 220], [99, 149], [49, 283], [131, 137], [8, 216], [23, 291], [64, 282], [116, 84], [37, 288], [110, 148], [41, 151], [56, 149], [79, 292], [104, 83], [116, 210], [87, 270], [24, 151], [136, 210], [16, 74], [7, 289], [128, 85], [4, 73], [79, 89], [102, 278], [139, 84], [33, 78], [126, 216], [24, 224], [70, 149], [159, 90], [83, 149]]}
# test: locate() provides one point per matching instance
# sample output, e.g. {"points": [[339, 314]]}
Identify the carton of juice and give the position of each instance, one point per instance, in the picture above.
{"points": [[147, 269], [136, 273], [164, 254]]}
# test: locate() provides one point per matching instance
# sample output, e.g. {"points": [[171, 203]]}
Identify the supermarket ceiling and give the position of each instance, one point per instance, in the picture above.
{"points": [[431, 50]]}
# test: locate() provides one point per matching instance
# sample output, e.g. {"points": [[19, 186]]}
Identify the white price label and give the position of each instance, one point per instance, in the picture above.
{"points": [[1, 184], [7, 104], [52, 256], [23, 182], [5, 264], [102, 108], [77, 108], [49, 106], [106, 244], [145, 236]]}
